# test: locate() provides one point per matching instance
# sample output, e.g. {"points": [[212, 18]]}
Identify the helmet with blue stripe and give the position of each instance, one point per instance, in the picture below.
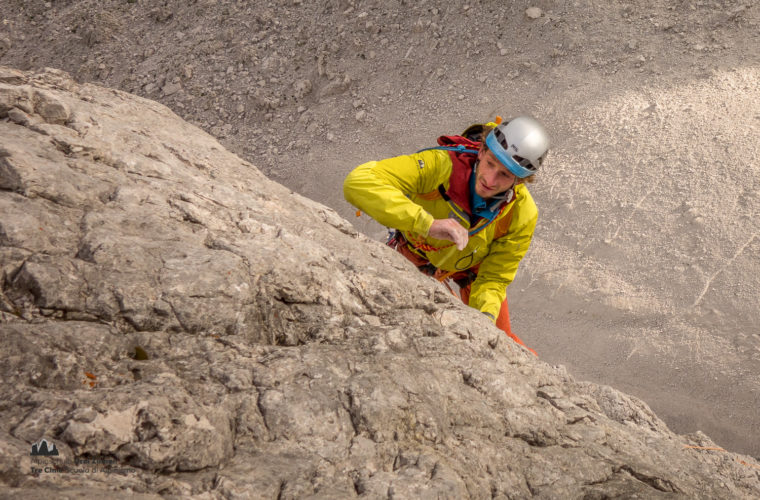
{"points": [[521, 145]]}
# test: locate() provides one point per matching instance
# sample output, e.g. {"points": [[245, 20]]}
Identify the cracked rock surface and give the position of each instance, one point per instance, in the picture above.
{"points": [[642, 274], [166, 307]]}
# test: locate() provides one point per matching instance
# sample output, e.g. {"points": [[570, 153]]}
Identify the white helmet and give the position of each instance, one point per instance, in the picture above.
{"points": [[520, 145]]}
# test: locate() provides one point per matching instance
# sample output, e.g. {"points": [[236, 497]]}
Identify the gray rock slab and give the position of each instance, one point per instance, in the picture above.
{"points": [[188, 328]]}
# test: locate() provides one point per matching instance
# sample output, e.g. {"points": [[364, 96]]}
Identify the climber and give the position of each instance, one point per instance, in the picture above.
{"points": [[462, 210]]}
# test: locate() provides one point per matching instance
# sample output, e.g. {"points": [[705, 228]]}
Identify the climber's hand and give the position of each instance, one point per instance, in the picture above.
{"points": [[449, 229]]}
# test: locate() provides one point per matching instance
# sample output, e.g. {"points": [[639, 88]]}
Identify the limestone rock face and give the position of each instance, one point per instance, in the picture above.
{"points": [[168, 310]]}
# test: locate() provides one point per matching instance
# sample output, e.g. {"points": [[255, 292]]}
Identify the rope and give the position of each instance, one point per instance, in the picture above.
{"points": [[445, 275], [426, 247], [446, 284], [717, 448]]}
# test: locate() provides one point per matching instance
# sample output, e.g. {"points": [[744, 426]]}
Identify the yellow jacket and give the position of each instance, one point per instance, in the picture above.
{"points": [[402, 193]]}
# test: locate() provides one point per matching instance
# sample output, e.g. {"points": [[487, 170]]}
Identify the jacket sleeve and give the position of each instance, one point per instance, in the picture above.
{"points": [[382, 188], [498, 269]]}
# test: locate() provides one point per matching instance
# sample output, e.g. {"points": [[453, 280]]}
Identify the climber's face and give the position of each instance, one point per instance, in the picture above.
{"points": [[492, 177]]}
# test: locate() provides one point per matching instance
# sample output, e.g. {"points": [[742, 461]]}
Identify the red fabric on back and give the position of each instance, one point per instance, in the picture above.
{"points": [[461, 169]]}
